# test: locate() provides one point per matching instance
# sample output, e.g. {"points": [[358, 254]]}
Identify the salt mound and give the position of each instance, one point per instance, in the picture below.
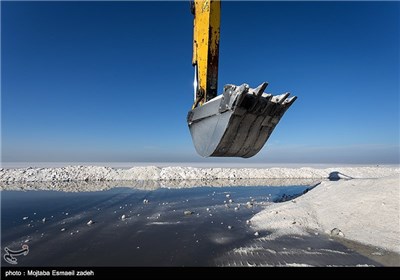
{"points": [[101, 173]]}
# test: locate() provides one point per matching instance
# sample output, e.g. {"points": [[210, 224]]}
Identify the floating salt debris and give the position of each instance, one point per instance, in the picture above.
{"points": [[256, 233], [229, 227], [63, 229], [44, 220], [236, 208], [145, 201], [230, 200], [123, 217], [208, 209], [24, 218], [248, 222], [187, 212], [90, 223], [228, 195]]}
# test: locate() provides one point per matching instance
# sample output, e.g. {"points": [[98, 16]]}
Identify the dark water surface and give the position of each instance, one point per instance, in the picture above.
{"points": [[158, 233]]}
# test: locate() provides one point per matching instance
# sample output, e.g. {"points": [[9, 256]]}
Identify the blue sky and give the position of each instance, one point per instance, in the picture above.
{"points": [[85, 81]]}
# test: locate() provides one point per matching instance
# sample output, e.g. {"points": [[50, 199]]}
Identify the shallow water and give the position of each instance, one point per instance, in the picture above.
{"points": [[157, 233]]}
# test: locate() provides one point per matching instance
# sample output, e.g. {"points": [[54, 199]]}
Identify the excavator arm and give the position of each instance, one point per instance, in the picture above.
{"points": [[238, 122], [205, 49]]}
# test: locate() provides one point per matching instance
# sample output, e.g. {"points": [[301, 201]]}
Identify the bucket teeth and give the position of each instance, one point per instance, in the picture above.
{"points": [[237, 123], [281, 98], [242, 91], [290, 100], [258, 91]]}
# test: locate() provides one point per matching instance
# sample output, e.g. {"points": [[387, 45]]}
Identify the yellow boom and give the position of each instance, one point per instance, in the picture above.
{"points": [[205, 49]]}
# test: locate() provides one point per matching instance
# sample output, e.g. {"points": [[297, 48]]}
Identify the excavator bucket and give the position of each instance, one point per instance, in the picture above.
{"points": [[238, 122]]}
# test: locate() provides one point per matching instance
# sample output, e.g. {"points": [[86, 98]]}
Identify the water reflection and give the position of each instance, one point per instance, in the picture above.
{"points": [[82, 226], [144, 224]]}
